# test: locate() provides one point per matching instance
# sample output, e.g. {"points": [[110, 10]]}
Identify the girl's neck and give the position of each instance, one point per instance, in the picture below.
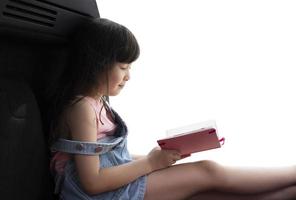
{"points": [[98, 97], [93, 93]]}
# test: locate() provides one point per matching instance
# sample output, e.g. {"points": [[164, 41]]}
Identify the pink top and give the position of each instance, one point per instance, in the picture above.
{"points": [[106, 127], [105, 124]]}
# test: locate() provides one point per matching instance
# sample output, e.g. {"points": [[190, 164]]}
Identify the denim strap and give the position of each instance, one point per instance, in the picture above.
{"points": [[84, 148]]}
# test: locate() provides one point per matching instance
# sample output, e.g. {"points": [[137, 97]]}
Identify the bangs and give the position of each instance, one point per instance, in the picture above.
{"points": [[130, 50], [100, 43]]}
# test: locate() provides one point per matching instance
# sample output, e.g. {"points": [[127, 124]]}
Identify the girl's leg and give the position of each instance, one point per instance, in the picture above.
{"points": [[185, 180], [288, 193]]}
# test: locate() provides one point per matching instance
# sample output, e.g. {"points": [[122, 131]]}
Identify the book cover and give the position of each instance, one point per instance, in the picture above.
{"points": [[192, 138]]}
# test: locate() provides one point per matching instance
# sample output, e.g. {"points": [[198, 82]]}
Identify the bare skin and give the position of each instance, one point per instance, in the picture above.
{"points": [[167, 181], [196, 181], [288, 193]]}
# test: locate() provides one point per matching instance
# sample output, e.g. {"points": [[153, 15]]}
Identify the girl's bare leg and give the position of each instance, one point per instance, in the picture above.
{"points": [[185, 180], [288, 193]]}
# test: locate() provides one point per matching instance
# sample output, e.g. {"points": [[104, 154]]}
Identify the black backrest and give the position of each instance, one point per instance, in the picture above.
{"points": [[24, 173], [33, 54], [48, 17]]}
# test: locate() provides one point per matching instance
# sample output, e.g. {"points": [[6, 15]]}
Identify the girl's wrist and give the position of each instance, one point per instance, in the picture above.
{"points": [[147, 164]]}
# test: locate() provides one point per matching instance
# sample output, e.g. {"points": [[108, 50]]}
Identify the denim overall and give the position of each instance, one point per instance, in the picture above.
{"points": [[112, 151]]}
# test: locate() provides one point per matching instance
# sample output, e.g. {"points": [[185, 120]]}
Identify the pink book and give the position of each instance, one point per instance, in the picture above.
{"points": [[193, 138]]}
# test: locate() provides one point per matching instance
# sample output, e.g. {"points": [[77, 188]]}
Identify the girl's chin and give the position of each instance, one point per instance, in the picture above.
{"points": [[114, 93]]}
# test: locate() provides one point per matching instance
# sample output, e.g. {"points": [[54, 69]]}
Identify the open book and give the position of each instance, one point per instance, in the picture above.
{"points": [[192, 138]]}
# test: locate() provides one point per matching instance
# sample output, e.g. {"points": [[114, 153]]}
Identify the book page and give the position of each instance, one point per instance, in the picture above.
{"points": [[191, 128]]}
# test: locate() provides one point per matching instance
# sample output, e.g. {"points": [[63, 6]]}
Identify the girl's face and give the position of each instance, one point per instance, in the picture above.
{"points": [[118, 77]]}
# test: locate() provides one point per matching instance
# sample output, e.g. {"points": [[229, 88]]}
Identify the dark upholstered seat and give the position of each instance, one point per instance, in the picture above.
{"points": [[33, 54], [23, 170]]}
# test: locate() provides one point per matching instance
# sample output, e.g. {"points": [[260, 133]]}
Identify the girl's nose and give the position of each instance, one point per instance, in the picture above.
{"points": [[127, 76]]}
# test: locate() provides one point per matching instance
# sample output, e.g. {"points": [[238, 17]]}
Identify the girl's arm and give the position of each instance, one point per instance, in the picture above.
{"points": [[95, 180], [83, 127]]}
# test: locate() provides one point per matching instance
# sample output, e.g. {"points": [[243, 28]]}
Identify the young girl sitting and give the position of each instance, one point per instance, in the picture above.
{"points": [[89, 139]]}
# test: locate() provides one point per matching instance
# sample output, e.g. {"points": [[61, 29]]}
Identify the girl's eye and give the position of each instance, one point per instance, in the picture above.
{"points": [[126, 68]]}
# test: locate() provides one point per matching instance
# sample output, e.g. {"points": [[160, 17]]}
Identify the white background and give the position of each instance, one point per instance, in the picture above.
{"points": [[229, 61]]}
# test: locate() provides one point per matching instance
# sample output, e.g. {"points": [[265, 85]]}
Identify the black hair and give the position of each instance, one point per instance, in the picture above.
{"points": [[95, 47]]}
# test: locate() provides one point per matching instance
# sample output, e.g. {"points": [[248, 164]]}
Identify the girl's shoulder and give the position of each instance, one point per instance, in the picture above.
{"points": [[81, 118], [77, 113], [80, 108]]}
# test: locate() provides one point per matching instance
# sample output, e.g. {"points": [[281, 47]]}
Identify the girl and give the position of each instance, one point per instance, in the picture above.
{"points": [[90, 157]]}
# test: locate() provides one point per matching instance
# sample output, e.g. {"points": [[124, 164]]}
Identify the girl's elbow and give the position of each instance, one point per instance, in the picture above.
{"points": [[91, 190], [96, 184], [94, 188]]}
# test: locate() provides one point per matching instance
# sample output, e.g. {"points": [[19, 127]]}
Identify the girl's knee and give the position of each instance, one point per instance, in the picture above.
{"points": [[208, 166], [211, 170]]}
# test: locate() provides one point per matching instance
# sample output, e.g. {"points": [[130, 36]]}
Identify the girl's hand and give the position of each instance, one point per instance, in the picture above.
{"points": [[159, 158]]}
